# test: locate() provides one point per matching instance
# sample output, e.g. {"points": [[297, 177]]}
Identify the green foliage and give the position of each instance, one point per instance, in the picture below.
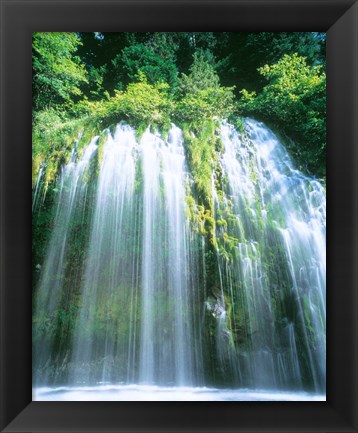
{"points": [[144, 102], [295, 101], [205, 104], [269, 47], [57, 72], [165, 44], [242, 53], [45, 122], [202, 97], [201, 154], [202, 74], [95, 81], [141, 103], [140, 72], [53, 138], [238, 121], [141, 58]]}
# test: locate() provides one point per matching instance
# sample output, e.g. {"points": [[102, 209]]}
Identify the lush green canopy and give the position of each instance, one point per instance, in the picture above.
{"points": [[158, 77], [57, 71]]}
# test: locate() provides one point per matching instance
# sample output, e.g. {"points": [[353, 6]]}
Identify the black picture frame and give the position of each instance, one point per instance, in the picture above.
{"points": [[18, 20]]}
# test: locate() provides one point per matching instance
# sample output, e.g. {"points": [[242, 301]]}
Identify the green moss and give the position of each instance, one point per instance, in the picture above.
{"points": [[101, 141], [221, 223], [253, 173], [239, 123], [165, 130], [53, 146], [140, 130], [200, 141]]}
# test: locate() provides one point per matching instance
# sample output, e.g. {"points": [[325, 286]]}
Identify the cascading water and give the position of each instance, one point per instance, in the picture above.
{"points": [[145, 314], [38, 195], [138, 242], [278, 270], [109, 282], [53, 283], [166, 343]]}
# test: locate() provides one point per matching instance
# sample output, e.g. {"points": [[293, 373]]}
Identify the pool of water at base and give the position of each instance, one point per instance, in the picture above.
{"points": [[134, 392]]}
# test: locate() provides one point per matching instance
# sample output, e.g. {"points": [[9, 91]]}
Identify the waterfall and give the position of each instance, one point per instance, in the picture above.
{"points": [[69, 206], [38, 195], [137, 267], [278, 270], [110, 276], [166, 293], [131, 293]]}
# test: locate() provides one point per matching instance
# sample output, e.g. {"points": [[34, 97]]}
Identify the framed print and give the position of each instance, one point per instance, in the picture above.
{"points": [[178, 216]]}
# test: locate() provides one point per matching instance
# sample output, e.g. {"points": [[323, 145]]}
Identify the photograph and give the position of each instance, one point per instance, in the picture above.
{"points": [[179, 216]]}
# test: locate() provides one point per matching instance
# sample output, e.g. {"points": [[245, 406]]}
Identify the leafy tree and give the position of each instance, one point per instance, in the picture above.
{"points": [[202, 74], [98, 50], [269, 47], [141, 57], [145, 103], [200, 91], [241, 54], [95, 81], [57, 72], [140, 104], [73, 70], [295, 100], [164, 44]]}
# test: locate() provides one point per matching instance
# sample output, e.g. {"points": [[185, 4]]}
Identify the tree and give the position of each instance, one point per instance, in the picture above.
{"points": [[200, 93], [269, 47], [241, 54], [294, 99], [57, 71], [142, 58], [202, 74]]}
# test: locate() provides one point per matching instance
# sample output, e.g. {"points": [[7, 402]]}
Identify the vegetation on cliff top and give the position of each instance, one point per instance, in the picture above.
{"points": [[93, 80]]}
